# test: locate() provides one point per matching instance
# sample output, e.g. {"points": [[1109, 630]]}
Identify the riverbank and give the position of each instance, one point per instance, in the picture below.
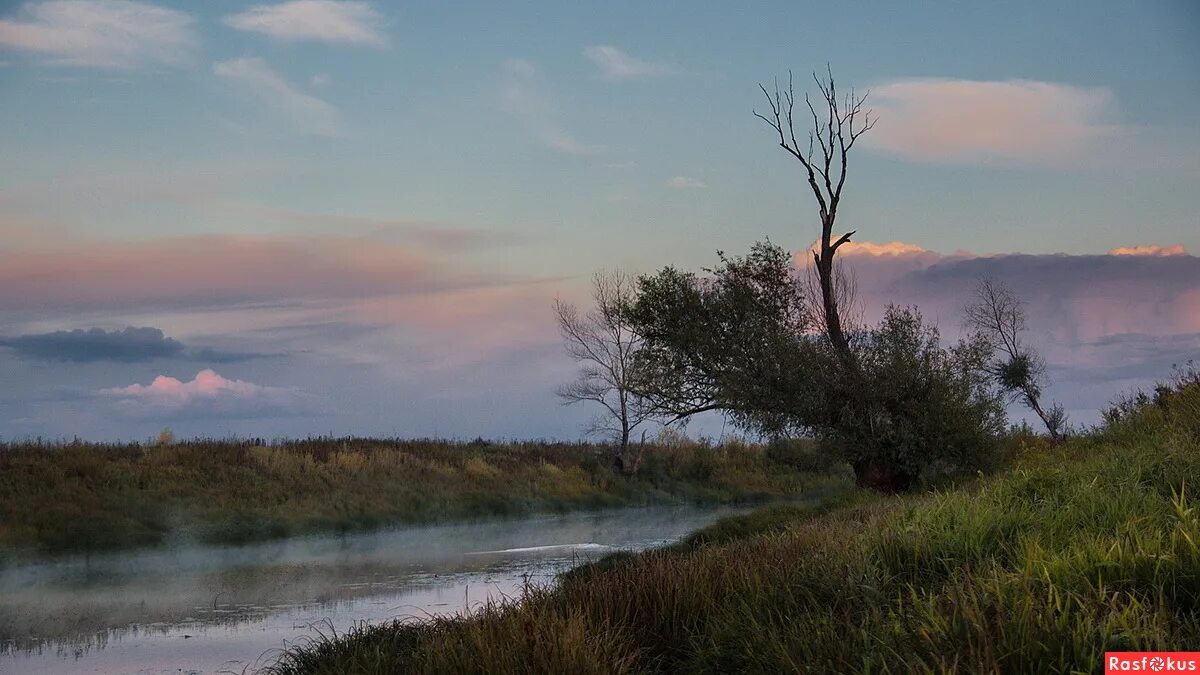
{"points": [[1079, 549], [85, 498]]}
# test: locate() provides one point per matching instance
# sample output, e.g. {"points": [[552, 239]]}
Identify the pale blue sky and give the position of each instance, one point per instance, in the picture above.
{"points": [[557, 138]]}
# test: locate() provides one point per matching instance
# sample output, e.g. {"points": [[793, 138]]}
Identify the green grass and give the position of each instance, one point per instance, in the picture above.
{"points": [[1081, 548], [86, 497]]}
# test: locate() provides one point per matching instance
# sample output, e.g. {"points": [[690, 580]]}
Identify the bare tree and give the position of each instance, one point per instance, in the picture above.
{"points": [[999, 315], [603, 343], [841, 121]]}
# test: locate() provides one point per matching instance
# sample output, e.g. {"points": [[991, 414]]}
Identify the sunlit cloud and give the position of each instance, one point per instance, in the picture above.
{"points": [[1007, 122], [1151, 249], [206, 394], [616, 65], [355, 23], [305, 112], [109, 34], [891, 248]]}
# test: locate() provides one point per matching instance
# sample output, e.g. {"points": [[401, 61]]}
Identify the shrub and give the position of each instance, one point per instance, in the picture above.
{"points": [[914, 409]]}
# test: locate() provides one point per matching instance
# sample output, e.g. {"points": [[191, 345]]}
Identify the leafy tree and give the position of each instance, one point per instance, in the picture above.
{"points": [[737, 339], [741, 339]]}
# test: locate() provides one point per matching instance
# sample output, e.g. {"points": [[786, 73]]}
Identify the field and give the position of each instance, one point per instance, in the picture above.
{"points": [[1079, 548], [82, 498]]}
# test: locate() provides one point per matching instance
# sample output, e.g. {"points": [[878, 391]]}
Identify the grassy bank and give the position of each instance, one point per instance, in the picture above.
{"points": [[1082, 548], [85, 497]]}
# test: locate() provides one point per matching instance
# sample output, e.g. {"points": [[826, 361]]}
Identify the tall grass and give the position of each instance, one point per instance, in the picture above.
{"points": [[1081, 548], [86, 497]]}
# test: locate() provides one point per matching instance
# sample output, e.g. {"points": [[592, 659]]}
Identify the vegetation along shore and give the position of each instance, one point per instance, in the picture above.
{"points": [[1081, 547], [84, 497]]}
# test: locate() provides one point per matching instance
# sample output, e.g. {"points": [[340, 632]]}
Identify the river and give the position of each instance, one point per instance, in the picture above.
{"points": [[205, 609]]}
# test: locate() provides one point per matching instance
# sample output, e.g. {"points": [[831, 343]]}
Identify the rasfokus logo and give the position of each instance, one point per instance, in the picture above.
{"points": [[1151, 662]]}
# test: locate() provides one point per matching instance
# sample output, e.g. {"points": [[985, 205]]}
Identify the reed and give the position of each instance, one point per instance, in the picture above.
{"points": [[81, 497]]}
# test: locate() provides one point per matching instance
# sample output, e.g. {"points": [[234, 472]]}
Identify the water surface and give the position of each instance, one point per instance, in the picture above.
{"points": [[201, 609]]}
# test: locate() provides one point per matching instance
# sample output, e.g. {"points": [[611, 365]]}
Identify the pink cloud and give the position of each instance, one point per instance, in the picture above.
{"points": [[206, 393], [1013, 121], [219, 270], [1152, 250]]}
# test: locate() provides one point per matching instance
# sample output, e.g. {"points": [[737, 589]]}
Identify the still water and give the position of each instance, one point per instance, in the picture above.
{"points": [[231, 609]]}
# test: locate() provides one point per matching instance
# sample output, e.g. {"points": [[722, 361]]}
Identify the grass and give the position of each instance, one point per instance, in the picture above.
{"points": [[78, 497], [1081, 548]]}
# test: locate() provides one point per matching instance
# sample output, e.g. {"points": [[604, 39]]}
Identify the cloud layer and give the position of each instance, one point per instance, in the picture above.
{"points": [[346, 22], [111, 34], [1106, 323], [216, 270]]}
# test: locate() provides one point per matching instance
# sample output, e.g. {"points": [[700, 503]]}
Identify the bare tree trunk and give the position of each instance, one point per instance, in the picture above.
{"points": [[833, 319], [842, 121], [1051, 427]]}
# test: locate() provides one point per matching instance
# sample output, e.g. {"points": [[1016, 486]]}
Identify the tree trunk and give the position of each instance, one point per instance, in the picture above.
{"points": [[882, 475], [621, 463], [833, 319], [1037, 408]]}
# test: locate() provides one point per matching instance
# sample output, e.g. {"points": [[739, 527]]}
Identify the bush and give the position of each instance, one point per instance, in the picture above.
{"points": [[914, 409], [802, 454]]}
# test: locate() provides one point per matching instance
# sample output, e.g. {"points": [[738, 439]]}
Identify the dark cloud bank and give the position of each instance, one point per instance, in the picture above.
{"points": [[129, 345]]}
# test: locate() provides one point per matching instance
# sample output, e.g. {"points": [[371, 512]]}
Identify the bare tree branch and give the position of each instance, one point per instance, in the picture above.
{"points": [[834, 133], [602, 342]]}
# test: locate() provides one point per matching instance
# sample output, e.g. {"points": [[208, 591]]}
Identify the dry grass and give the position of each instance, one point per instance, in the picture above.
{"points": [[84, 497]]}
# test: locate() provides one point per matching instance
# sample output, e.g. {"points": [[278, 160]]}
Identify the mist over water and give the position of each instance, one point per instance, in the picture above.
{"points": [[206, 609]]}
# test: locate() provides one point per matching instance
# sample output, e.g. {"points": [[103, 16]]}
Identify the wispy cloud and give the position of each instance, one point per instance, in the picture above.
{"points": [[428, 234], [111, 34], [307, 113], [219, 270], [1007, 122], [527, 97], [208, 394], [355, 23], [617, 66], [686, 183]]}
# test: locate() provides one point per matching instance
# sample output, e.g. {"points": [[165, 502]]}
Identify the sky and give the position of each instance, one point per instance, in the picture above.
{"points": [[320, 217]]}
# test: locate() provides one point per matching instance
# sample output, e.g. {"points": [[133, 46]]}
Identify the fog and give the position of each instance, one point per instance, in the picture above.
{"points": [[228, 609]]}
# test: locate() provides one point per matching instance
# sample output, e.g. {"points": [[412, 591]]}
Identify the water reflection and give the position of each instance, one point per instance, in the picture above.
{"points": [[213, 609]]}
